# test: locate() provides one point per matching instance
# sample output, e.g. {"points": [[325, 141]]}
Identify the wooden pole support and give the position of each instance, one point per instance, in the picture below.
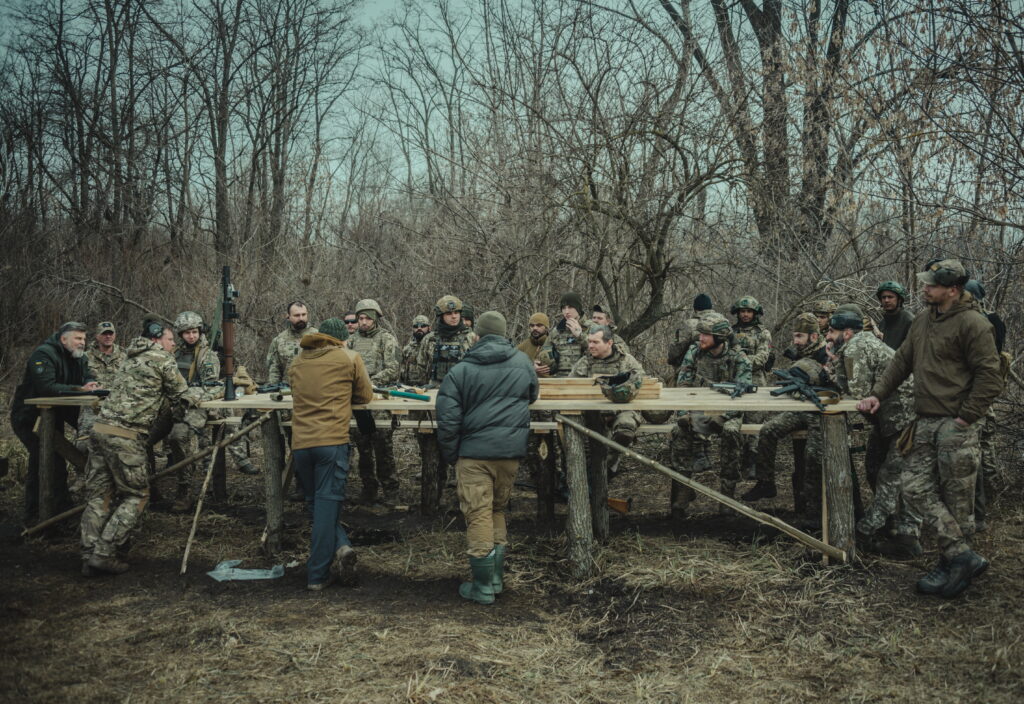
{"points": [[202, 495], [162, 473], [273, 457], [580, 527], [837, 483], [735, 505], [597, 471], [47, 462]]}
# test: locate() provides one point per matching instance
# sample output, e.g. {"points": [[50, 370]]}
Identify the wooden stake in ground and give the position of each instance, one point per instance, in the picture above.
{"points": [[284, 487], [735, 505], [579, 525], [162, 473], [199, 503]]}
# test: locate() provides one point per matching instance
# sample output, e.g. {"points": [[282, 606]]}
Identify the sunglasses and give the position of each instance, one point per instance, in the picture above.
{"points": [[421, 325], [107, 332], [351, 321]]}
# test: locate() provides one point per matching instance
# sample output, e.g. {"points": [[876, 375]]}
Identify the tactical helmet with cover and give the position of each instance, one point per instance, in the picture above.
{"points": [[369, 304], [806, 323], [622, 387], [813, 369], [823, 307], [891, 287], [447, 304], [716, 325], [188, 320], [749, 303]]}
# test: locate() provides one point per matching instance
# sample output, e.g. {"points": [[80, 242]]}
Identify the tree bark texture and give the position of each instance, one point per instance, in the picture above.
{"points": [[837, 482], [579, 527], [273, 457]]}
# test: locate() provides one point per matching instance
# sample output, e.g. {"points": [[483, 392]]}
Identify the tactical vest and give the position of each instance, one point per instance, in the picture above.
{"points": [[448, 353], [184, 360], [566, 351], [366, 346]]}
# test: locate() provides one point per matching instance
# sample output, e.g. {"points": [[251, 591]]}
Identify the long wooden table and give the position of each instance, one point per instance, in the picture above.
{"points": [[587, 508]]}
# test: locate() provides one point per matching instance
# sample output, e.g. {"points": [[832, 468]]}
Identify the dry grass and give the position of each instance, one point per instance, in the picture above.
{"points": [[710, 610]]}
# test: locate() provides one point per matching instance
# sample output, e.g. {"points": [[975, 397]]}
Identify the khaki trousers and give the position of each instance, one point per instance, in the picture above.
{"points": [[484, 487]]}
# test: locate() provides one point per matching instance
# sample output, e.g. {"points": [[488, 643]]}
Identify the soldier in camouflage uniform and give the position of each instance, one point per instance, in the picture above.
{"points": [[105, 357], [379, 350], [147, 380], [951, 352], [860, 359], [567, 341], [823, 310], [687, 335], [440, 350], [715, 358], [285, 346], [600, 316], [412, 373], [756, 342], [808, 351]]}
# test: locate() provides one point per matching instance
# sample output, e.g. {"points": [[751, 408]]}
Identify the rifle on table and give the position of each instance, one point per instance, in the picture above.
{"points": [[796, 381], [735, 389]]}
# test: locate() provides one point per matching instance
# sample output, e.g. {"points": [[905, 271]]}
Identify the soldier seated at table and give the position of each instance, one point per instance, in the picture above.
{"points": [[714, 358]]}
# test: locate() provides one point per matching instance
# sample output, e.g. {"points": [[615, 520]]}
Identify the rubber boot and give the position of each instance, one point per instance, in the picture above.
{"points": [[480, 589], [246, 467], [498, 583]]}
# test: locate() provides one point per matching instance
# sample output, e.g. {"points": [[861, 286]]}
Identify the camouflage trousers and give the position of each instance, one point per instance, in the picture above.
{"points": [[938, 479], [887, 491], [779, 426], [988, 470], [86, 418], [185, 438], [377, 456], [117, 468], [686, 441]]}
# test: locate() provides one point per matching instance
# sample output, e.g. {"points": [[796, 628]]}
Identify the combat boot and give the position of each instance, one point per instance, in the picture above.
{"points": [[498, 582], [246, 467], [934, 581], [481, 589], [109, 565], [900, 547], [962, 569], [764, 489], [680, 500], [183, 503]]}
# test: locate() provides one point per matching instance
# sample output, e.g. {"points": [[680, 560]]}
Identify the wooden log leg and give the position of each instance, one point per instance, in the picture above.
{"points": [[837, 482], [430, 495], [220, 477], [273, 457], [580, 527], [799, 472], [47, 463], [597, 472], [546, 485]]}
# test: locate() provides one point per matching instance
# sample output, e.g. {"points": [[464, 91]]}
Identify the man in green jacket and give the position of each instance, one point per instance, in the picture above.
{"points": [[56, 367], [951, 352], [483, 421]]}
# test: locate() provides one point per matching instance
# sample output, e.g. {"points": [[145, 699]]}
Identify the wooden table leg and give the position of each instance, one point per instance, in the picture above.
{"points": [[430, 482], [47, 462], [580, 527], [546, 480], [273, 458], [220, 476], [837, 482], [597, 472]]}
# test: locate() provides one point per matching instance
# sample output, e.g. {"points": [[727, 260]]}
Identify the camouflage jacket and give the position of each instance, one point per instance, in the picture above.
{"points": [[860, 364], [617, 361], [700, 368], [104, 366], [283, 349], [620, 344], [563, 349], [686, 336], [198, 363], [438, 352], [411, 372], [756, 342], [148, 377], [379, 350]]}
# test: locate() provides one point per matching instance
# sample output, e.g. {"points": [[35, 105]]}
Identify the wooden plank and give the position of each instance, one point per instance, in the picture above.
{"points": [[837, 483], [579, 525]]}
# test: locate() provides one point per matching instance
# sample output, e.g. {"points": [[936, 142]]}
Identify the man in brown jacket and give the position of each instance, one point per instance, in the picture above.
{"points": [[326, 379], [951, 352]]}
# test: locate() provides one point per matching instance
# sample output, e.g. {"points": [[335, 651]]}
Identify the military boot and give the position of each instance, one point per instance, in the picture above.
{"points": [[498, 582], [680, 500], [183, 501], [102, 563], [962, 569], [246, 467], [764, 489], [900, 547], [481, 589], [934, 581]]}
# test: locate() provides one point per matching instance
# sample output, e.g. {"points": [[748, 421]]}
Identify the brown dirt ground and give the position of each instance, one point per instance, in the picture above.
{"points": [[709, 609]]}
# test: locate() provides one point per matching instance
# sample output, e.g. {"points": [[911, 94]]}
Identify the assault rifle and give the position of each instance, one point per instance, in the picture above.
{"points": [[796, 381], [734, 389]]}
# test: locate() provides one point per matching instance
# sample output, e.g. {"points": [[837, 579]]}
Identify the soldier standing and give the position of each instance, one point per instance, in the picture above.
{"points": [[896, 319], [600, 316], [441, 349], [147, 380], [951, 352], [715, 358], [756, 342], [687, 335], [860, 359], [411, 372], [351, 321], [105, 357], [379, 350], [285, 346], [823, 310], [566, 343]]}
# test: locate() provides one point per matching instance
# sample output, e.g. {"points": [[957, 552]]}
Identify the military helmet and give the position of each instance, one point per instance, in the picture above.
{"points": [[369, 304], [622, 387], [748, 302], [823, 307], [812, 368], [892, 287], [421, 320], [806, 323], [447, 304], [188, 320], [716, 325]]}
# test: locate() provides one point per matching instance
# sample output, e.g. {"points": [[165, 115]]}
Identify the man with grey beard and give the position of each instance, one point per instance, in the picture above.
{"points": [[56, 367]]}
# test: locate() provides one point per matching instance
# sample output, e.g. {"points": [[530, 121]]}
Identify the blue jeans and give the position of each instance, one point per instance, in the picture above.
{"points": [[322, 473]]}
